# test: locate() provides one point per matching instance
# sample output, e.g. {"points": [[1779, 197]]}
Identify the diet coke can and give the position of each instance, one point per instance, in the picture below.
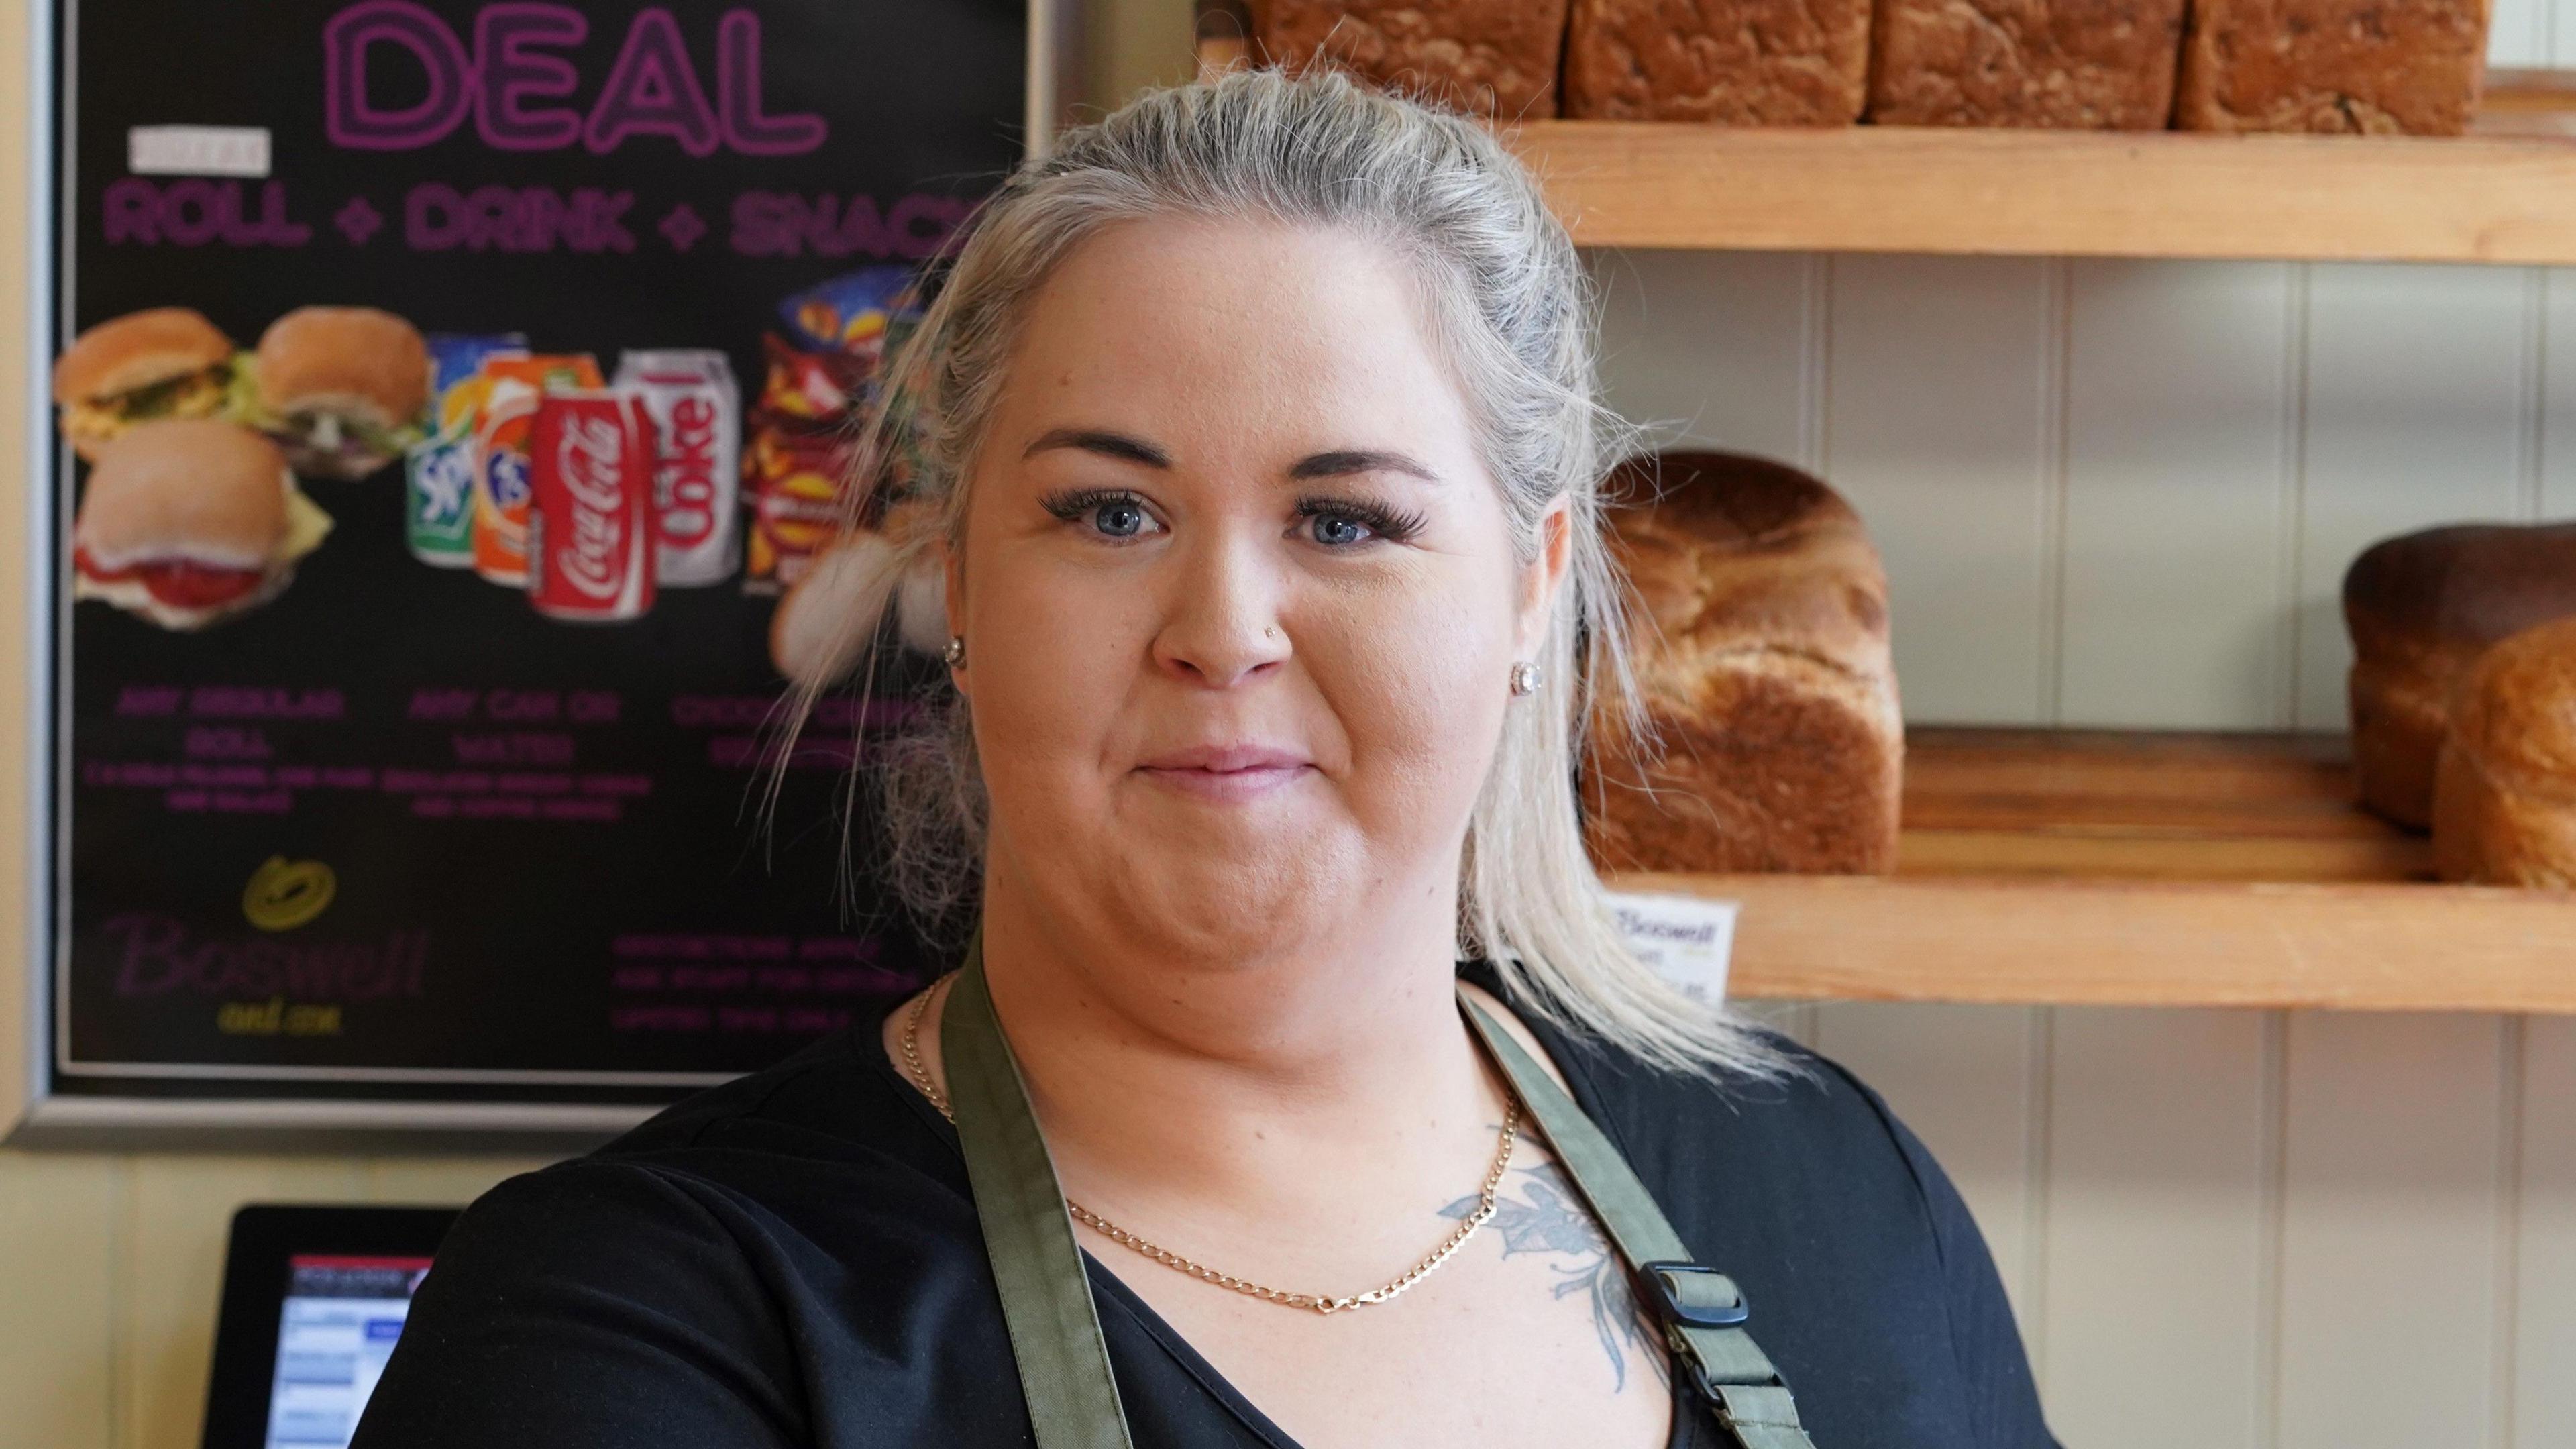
{"points": [[590, 506], [697, 474]]}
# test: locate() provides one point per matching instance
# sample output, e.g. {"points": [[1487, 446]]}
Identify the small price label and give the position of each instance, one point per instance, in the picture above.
{"points": [[1686, 939], [197, 151]]}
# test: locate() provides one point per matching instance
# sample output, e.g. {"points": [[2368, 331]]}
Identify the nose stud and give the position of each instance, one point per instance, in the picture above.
{"points": [[1525, 678]]}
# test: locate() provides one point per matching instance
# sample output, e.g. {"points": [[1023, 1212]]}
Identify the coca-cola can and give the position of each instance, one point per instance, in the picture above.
{"points": [[697, 474], [591, 526]]}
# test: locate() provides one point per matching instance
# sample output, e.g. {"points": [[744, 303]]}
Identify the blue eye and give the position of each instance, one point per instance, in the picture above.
{"points": [[1339, 529], [1104, 513], [1345, 523], [1119, 518]]}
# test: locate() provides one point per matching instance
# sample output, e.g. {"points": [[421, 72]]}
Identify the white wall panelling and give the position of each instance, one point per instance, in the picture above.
{"points": [[2542, 1215], [2557, 420], [1940, 427], [2519, 33], [2398, 1155], [1719, 347], [2161, 1138], [2124, 494], [2181, 465], [2422, 395]]}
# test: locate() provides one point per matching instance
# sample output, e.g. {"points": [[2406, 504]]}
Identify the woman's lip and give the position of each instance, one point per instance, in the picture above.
{"points": [[1243, 784], [1226, 758]]}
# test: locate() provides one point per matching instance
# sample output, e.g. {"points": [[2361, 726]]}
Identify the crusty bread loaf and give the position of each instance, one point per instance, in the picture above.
{"points": [[2504, 808], [2381, 67], [2071, 64], [1735, 62], [1491, 58], [2422, 607], [1762, 649]]}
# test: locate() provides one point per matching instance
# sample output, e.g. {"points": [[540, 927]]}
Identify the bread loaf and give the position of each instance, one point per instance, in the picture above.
{"points": [[1761, 647], [1491, 58], [1737, 62], [2375, 66], [2422, 607], [2072, 64], [2504, 807]]}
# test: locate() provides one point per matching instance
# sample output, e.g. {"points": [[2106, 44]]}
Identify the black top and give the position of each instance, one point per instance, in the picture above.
{"points": [[792, 1259]]}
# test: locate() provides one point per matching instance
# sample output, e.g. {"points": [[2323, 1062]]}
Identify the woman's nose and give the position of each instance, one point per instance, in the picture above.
{"points": [[1221, 621]]}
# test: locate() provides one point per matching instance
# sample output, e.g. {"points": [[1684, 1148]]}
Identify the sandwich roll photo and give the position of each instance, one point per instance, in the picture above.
{"points": [[189, 521], [342, 389], [164, 362]]}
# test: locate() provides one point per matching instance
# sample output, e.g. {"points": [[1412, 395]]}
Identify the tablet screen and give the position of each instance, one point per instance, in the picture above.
{"points": [[338, 1325]]}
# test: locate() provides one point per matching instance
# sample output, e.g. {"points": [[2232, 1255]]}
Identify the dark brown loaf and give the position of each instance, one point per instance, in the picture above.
{"points": [[2072, 64], [2376, 66], [1761, 647], [1493, 58], [1737, 62], [2504, 812], [2422, 607]]}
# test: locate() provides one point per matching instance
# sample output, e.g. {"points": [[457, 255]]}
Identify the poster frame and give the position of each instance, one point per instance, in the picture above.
{"points": [[53, 1119]]}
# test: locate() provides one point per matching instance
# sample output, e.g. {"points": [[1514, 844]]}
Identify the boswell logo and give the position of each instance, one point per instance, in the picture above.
{"points": [[157, 955], [284, 894]]}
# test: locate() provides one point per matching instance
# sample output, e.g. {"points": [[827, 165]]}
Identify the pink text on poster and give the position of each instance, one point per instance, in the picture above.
{"points": [[508, 71]]}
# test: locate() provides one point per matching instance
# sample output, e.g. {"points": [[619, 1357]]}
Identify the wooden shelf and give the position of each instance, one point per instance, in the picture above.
{"points": [[2505, 193], [2096, 868]]}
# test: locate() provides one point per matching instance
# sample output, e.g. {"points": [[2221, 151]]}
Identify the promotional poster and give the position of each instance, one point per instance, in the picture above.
{"points": [[451, 401]]}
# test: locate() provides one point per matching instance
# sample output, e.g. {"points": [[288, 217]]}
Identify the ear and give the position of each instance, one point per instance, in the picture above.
{"points": [[952, 572], [1543, 577]]}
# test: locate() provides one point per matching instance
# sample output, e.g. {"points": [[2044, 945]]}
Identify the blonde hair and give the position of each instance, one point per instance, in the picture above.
{"points": [[1511, 309]]}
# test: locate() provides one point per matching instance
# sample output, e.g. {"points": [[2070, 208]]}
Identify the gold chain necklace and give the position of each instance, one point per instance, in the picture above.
{"points": [[1320, 1302]]}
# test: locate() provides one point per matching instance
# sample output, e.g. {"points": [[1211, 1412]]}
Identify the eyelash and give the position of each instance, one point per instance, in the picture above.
{"points": [[1384, 523], [1390, 525]]}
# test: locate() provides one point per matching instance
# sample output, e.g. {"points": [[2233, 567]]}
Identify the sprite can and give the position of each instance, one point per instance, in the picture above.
{"points": [[438, 473]]}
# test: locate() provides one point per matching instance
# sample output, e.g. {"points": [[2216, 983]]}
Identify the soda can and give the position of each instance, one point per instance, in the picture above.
{"points": [[591, 525], [697, 472], [438, 471], [501, 440]]}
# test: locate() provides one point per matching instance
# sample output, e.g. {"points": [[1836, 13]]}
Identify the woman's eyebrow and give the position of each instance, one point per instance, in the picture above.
{"points": [[1095, 440], [1359, 460], [1341, 463]]}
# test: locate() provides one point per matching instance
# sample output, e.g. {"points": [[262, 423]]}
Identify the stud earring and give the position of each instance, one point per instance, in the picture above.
{"points": [[1525, 678], [955, 653]]}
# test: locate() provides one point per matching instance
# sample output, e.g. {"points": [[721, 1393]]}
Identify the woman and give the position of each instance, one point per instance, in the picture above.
{"points": [[1261, 422]]}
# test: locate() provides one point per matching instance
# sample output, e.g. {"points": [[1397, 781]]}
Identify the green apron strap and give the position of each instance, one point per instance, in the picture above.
{"points": [[1701, 1310], [1054, 1326], [1037, 1265]]}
